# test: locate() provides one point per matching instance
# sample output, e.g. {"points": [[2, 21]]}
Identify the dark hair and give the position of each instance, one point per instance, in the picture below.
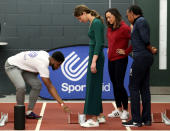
{"points": [[58, 56], [118, 17], [79, 9], [136, 10]]}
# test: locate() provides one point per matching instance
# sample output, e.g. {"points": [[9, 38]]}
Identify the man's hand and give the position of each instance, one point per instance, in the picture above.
{"points": [[66, 108]]}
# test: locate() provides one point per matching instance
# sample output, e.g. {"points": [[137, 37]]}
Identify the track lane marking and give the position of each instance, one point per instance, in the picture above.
{"points": [[41, 114]]}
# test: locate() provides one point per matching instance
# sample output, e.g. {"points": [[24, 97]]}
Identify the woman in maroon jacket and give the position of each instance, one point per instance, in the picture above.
{"points": [[118, 35]]}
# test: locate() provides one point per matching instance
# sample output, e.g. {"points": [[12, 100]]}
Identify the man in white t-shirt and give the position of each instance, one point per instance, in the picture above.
{"points": [[24, 67]]}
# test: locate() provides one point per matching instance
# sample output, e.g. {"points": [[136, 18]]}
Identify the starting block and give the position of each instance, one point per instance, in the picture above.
{"points": [[167, 113], [73, 118], [156, 117], [76, 118]]}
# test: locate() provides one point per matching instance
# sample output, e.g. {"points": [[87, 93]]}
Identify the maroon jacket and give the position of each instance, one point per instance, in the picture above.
{"points": [[118, 39]]}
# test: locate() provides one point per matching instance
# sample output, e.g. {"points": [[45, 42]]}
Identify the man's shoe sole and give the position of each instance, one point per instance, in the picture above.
{"points": [[132, 125], [33, 118]]}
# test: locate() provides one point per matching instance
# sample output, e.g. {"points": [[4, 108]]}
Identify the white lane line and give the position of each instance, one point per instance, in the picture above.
{"points": [[41, 114], [127, 128]]}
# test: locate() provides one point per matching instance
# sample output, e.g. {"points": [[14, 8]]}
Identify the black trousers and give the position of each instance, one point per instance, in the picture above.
{"points": [[139, 87], [117, 70]]}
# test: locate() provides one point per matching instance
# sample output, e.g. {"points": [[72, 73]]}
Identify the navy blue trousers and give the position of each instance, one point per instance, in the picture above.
{"points": [[140, 88]]}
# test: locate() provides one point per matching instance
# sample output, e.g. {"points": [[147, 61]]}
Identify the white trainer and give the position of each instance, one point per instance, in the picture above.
{"points": [[124, 115], [90, 123], [115, 113], [101, 119]]}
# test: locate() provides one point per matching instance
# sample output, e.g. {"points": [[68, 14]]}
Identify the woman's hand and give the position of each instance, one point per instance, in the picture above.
{"points": [[93, 67], [154, 50], [120, 51]]}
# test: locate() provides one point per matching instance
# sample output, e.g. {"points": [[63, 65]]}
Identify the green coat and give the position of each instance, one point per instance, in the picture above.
{"points": [[93, 102]]}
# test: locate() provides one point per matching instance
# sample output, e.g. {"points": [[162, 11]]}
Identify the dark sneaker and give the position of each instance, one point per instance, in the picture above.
{"points": [[131, 123], [32, 115], [147, 123]]}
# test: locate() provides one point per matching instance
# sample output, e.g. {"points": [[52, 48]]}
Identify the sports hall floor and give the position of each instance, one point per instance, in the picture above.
{"points": [[55, 119]]}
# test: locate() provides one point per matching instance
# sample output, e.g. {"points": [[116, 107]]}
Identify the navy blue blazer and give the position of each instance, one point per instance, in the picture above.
{"points": [[140, 37]]}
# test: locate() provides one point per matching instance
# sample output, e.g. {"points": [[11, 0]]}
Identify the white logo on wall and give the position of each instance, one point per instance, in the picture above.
{"points": [[74, 74]]}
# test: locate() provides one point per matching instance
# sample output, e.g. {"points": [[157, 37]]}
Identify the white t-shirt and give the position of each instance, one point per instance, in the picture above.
{"points": [[32, 61]]}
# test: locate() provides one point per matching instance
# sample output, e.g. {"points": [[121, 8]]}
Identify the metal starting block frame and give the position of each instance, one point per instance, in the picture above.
{"points": [[167, 113], [4, 119], [75, 118]]}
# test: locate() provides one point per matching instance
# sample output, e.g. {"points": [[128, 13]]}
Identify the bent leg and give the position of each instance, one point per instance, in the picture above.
{"points": [[15, 75], [34, 82]]}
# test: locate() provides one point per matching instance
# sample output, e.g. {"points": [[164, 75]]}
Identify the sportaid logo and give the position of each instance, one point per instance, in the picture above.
{"points": [[71, 70]]}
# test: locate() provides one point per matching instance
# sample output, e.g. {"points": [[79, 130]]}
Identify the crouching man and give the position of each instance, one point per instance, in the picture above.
{"points": [[24, 67]]}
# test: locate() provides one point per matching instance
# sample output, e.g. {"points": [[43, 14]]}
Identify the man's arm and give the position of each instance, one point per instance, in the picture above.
{"points": [[53, 92]]}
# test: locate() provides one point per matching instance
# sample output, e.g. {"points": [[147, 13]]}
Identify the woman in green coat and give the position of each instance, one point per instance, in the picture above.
{"points": [[93, 102]]}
